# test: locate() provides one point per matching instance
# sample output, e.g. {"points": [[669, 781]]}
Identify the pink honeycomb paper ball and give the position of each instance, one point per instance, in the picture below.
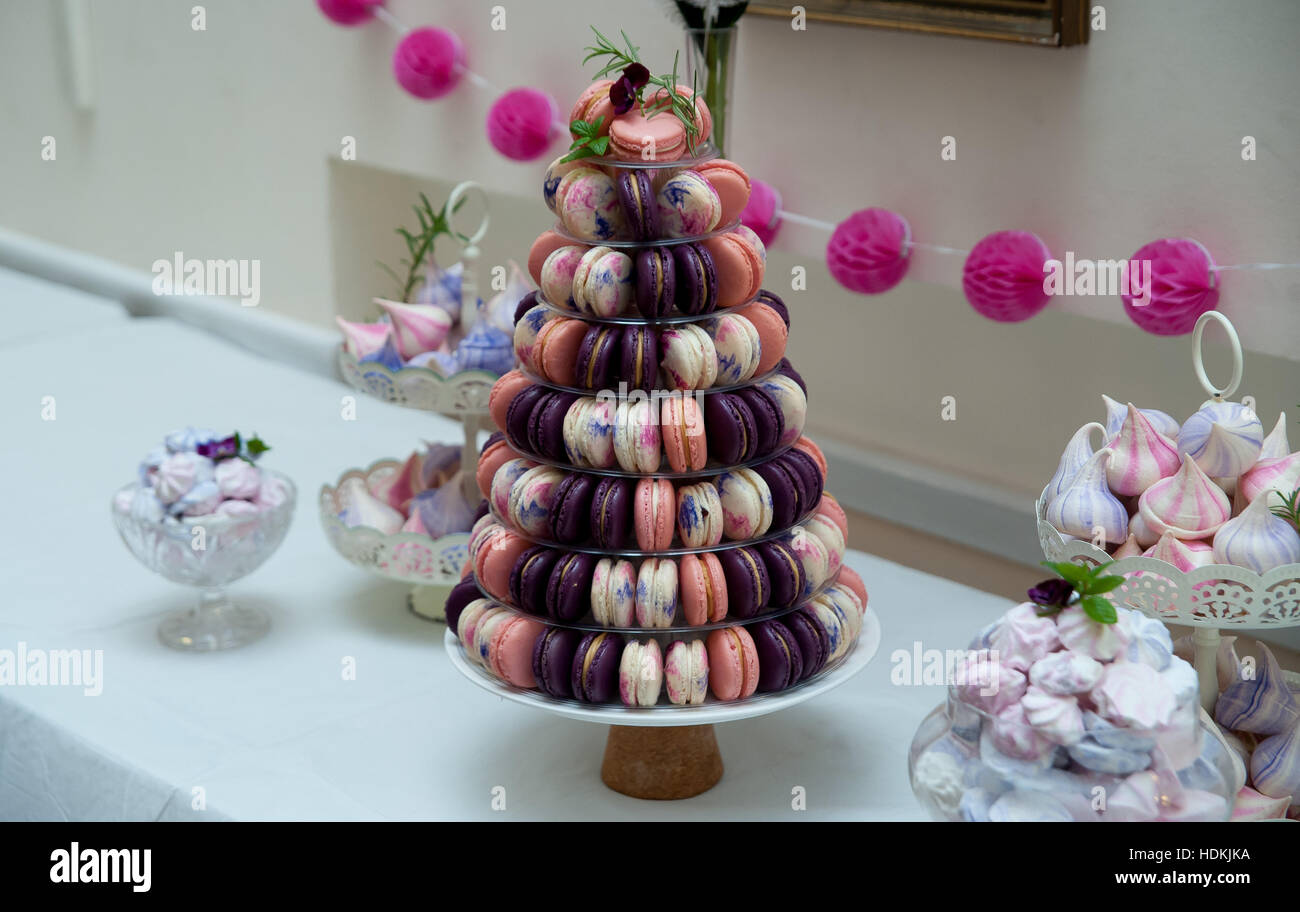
{"points": [[868, 252], [1003, 276], [762, 214], [521, 123], [428, 62], [1183, 285], [348, 12]]}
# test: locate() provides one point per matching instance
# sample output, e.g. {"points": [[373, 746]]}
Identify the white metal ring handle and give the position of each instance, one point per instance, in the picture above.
{"points": [[459, 194], [1198, 360]]}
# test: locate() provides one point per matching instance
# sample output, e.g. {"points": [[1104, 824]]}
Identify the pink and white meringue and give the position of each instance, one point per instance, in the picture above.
{"points": [[413, 524], [1087, 507], [1188, 504], [178, 473], [982, 680], [240, 508], [1102, 642], [1280, 476], [200, 500], [441, 461], [238, 479], [1014, 736], [358, 507], [1223, 437], [1134, 695], [1185, 555], [1065, 673], [1077, 452], [1253, 805], [1257, 539], [1116, 412], [1142, 455], [273, 493], [1141, 532], [1276, 445], [1022, 637], [417, 328], [1056, 717], [1130, 548], [363, 339]]}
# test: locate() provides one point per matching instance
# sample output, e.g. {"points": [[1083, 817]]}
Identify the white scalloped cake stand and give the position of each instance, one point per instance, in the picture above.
{"points": [[669, 752], [1208, 599]]}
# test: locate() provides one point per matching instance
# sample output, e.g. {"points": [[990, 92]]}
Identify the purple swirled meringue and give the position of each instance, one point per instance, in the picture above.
{"points": [[417, 328], [443, 510], [1275, 445], [1184, 555], [1262, 705], [1142, 455], [1055, 716], [358, 507], [386, 355], [1275, 765], [1223, 437], [1077, 452], [1278, 476], [180, 472], [1134, 695], [1116, 411], [362, 339], [1102, 642], [1087, 506], [238, 479], [441, 288], [1188, 504], [1257, 539], [1022, 637], [440, 462], [981, 680], [1065, 673]]}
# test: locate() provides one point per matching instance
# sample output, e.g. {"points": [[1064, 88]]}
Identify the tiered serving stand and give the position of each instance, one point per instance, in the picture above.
{"points": [[1208, 599], [664, 751], [430, 566]]}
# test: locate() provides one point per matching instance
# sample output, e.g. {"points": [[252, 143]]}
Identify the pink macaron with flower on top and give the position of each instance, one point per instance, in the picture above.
{"points": [[594, 104]]}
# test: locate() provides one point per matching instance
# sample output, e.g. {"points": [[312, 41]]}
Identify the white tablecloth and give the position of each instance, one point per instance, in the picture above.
{"points": [[32, 308], [273, 730]]}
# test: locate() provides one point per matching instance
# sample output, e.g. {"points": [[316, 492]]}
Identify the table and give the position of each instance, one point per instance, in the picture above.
{"points": [[274, 730]]}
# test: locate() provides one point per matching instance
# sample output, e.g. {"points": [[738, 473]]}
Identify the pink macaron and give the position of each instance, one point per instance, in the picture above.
{"points": [[555, 354], [495, 455], [547, 243], [635, 137], [850, 578], [594, 104], [733, 663], [829, 507], [682, 427], [738, 266], [507, 386], [703, 588], [731, 183], [510, 651], [494, 562], [654, 506], [773, 334]]}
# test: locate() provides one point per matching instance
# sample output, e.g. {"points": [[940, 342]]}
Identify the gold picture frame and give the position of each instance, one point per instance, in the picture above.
{"points": [[1047, 23]]}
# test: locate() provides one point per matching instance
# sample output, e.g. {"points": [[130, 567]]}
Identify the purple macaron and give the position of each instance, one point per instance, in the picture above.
{"points": [[611, 513], [519, 415], [769, 420], [697, 279], [730, 432], [568, 591], [594, 676], [748, 587], [528, 302], [492, 438], [546, 423], [785, 572], [529, 578], [639, 357], [814, 639], [656, 282], [461, 595], [772, 301], [788, 490], [808, 477], [598, 357], [553, 660], [780, 659], [570, 517], [785, 367], [480, 511], [636, 194]]}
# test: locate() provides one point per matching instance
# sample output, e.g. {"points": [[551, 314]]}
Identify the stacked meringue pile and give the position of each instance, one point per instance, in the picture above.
{"points": [[1191, 495], [425, 496], [199, 473], [1261, 718], [1044, 710], [430, 332]]}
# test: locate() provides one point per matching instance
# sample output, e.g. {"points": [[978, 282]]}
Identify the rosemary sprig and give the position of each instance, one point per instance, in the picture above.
{"points": [[1290, 511], [420, 244]]}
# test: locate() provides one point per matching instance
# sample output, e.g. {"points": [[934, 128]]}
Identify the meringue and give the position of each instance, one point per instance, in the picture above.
{"points": [[1186, 503], [1116, 411], [1023, 637], [979, 679], [199, 500], [1253, 805], [417, 328], [360, 508], [237, 508], [1130, 548], [444, 510], [487, 348], [442, 288], [413, 524], [1142, 455], [1014, 736], [1057, 718], [1275, 765], [149, 465], [1141, 532], [1082, 634], [146, 506], [1077, 452], [1275, 445], [1186, 556], [362, 339], [1223, 437], [1064, 673], [938, 776], [1278, 476], [386, 355], [1150, 643], [186, 440], [1134, 695], [1262, 705], [273, 493], [238, 479], [1257, 539], [1087, 506], [178, 473]]}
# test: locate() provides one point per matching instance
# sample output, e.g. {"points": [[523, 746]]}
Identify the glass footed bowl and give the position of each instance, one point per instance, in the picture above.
{"points": [[959, 773], [207, 552]]}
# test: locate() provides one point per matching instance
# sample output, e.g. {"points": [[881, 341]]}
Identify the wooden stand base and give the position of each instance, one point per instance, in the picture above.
{"points": [[661, 764]]}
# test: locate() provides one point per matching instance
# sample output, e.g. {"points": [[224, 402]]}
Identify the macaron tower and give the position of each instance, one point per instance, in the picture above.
{"points": [[656, 531]]}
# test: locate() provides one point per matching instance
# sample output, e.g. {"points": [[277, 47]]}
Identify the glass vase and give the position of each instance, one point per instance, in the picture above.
{"points": [[710, 66]]}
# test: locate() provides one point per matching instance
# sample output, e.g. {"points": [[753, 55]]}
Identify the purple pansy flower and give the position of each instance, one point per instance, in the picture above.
{"points": [[623, 92], [220, 449], [1051, 593]]}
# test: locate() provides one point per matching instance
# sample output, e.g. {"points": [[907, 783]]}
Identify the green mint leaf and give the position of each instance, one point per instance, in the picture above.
{"points": [[600, 145], [1074, 574], [256, 447], [1099, 609], [1105, 584], [579, 152]]}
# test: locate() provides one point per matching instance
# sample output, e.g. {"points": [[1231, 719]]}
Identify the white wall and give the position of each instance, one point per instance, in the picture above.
{"points": [[220, 144]]}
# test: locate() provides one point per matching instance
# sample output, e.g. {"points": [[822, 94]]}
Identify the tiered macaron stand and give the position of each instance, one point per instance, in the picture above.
{"points": [[664, 751], [430, 566], [1208, 599]]}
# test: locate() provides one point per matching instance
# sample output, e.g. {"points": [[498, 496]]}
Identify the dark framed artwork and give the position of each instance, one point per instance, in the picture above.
{"points": [[1050, 23]]}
